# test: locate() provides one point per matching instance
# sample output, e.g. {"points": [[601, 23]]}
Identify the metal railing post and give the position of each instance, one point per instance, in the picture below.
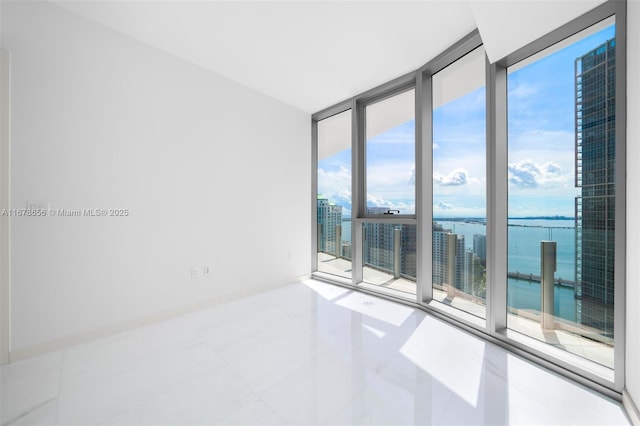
{"points": [[396, 253], [547, 272], [452, 244]]}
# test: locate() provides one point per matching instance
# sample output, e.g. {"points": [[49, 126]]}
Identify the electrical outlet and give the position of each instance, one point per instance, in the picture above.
{"points": [[195, 272], [207, 270]]}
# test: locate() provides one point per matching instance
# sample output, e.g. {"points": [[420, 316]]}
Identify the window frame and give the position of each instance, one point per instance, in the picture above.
{"points": [[424, 175], [494, 329], [398, 88], [610, 379]]}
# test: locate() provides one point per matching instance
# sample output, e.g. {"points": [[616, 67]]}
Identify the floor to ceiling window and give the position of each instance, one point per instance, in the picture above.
{"points": [[459, 236], [334, 195], [492, 194], [561, 149], [389, 247]]}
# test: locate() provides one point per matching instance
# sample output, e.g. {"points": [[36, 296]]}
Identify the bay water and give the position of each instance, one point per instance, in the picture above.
{"points": [[523, 256]]}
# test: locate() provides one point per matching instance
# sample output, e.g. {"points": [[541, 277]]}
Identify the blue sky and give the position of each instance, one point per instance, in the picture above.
{"points": [[541, 148], [542, 132]]}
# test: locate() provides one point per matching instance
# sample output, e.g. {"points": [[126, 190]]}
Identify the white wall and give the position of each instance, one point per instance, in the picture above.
{"points": [[211, 172], [633, 203], [5, 221]]}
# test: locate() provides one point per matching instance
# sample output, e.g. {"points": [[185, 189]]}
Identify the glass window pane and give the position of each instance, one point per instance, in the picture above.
{"points": [[459, 184], [390, 153], [389, 256], [334, 195], [561, 107]]}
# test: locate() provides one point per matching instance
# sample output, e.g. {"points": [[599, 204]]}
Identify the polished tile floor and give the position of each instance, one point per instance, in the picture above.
{"points": [[569, 337], [307, 353]]}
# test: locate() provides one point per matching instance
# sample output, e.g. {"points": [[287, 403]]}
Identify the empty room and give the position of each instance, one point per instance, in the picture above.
{"points": [[319, 212]]}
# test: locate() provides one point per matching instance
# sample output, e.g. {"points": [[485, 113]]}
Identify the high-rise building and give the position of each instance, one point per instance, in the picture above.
{"points": [[473, 274], [595, 175], [480, 247], [378, 245], [329, 217], [440, 272], [460, 264], [439, 262], [408, 254]]}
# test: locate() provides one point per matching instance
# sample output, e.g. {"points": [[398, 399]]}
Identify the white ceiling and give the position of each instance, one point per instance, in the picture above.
{"points": [[312, 54], [506, 26]]}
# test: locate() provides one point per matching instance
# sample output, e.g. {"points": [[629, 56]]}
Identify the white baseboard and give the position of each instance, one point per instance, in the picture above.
{"points": [[66, 342]]}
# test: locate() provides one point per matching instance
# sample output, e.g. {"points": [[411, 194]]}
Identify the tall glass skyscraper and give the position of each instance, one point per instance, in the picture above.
{"points": [[595, 175], [329, 217]]}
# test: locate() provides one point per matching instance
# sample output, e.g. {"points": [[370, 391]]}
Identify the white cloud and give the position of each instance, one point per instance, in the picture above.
{"points": [[336, 187], [328, 181], [523, 174], [456, 177], [390, 185], [441, 205], [528, 174], [391, 180], [373, 200], [377, 201]]}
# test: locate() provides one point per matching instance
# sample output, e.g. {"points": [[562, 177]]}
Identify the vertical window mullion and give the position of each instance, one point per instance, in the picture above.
{"points": [[497, 198], [620, 202], [314, 196], [358, 193], [424, 186]]}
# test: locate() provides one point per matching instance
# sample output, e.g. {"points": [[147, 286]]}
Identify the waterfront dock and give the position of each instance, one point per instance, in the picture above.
{"points": [[536, 278]]}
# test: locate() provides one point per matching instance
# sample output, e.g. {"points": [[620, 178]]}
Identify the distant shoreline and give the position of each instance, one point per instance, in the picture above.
{"points": [[484, 219]]}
